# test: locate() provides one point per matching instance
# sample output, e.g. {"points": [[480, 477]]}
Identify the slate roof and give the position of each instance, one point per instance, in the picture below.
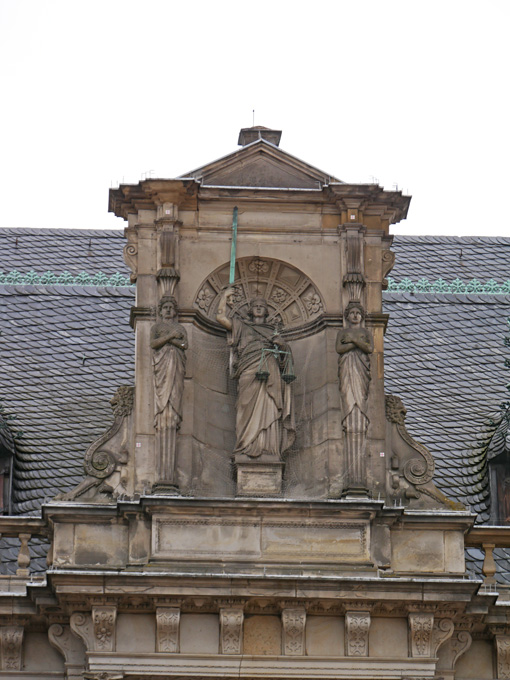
{"points": [[65, 349]]}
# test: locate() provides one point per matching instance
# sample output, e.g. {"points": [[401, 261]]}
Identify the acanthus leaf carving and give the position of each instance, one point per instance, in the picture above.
{"points": [[11, 647], [293, 624], [420, 634], [503, 656], [231, 630], [357, 626], [167, 629], [69, 645], [104, 620]]}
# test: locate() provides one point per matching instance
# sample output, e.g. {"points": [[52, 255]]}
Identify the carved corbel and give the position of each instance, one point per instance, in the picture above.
{"points": [[231, 630], [503, 655], [357, 626], [11, 647], [441, 632], [388, 261], [104, 620], [354, 279], [453, 649], [81, 625], [167, 629], [130, 252], [70, 647], [168, 249], [293, 639], [102, 675], [420, 634], [107, 455]]}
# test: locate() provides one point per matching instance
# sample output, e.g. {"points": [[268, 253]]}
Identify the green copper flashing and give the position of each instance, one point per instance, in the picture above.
{"points": [[49, 278], [457, 286], [233, 248]]}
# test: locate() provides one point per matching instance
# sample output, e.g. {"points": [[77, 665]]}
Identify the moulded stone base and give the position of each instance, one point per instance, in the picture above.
{"points": [[259, 479]]}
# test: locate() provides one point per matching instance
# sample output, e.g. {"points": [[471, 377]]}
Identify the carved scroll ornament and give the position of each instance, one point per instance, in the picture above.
{"points": [[231, 630], [11, 645], [105, 456], [167, 629], [420, 634]]}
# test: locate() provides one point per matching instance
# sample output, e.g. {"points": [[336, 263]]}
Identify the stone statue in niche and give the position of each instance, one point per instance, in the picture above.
{"points": [[262, 365], [168, 341], [354, 345]]}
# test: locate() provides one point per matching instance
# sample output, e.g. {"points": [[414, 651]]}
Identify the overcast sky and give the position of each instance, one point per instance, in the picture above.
{"points": [[414, 94]]}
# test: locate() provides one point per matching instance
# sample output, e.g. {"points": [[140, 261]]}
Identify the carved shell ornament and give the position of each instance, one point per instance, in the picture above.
{"points": [[293, 299]]}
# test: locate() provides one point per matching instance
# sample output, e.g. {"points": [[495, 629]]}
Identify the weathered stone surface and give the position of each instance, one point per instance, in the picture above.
{"points": [[262, 635]]}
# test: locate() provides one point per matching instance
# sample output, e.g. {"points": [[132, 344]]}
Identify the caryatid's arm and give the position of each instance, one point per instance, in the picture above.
{"points": [[221, 314]]}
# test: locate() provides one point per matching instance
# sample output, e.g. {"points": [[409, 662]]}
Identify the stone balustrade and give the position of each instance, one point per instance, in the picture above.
{"points": [[487, 538], [23, 529]]}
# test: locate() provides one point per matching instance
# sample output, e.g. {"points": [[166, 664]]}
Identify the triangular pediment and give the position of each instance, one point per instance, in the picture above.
{"points": [[261, 164]]}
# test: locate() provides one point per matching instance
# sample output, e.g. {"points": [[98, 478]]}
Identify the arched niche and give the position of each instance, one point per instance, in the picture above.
{"points": [[293, 299]]}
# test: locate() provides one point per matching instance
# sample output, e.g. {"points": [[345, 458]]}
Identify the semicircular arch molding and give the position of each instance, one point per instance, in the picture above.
{"points": [[292, 297]]}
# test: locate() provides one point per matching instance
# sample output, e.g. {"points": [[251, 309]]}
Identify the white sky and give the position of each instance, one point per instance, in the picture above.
{"points": [[412, 93]]}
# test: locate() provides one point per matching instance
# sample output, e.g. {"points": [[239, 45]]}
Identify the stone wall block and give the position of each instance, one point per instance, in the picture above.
{"points": [[167, 629], [11, 647], [357, 627], [104, 620], [420, 634], [231, 630], [293, 639]]}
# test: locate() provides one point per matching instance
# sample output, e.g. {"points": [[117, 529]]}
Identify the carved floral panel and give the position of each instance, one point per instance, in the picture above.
{"points": [[292, 297]]}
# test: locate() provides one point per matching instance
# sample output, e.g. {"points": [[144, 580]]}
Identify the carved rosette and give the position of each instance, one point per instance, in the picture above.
{"points": [[420, 634], [11, 646], [292, 298], [357, 626], [503, 655], [293, 624], [104, 619], [231, 630], [167, 629]]}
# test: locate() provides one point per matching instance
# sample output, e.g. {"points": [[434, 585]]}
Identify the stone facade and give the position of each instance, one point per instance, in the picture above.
{"points": [[330, 556]]}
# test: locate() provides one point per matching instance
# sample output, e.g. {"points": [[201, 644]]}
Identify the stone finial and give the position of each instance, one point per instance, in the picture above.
{"points": [[249, 135]]}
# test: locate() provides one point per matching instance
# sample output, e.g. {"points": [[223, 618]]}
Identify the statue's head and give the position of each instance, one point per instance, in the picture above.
{"points": [[167, 307], [258, 308], [354, 313]]}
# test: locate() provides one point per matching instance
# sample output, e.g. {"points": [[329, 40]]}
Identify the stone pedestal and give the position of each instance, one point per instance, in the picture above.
{"points": [[259, 479]]}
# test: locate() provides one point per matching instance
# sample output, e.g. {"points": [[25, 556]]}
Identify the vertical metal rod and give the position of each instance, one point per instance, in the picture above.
{"points": [[233, 248]]}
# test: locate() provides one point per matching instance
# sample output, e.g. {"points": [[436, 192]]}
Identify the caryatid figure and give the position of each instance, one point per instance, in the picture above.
{"points": [[168, 341], [264, 408], [354, 345]]}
